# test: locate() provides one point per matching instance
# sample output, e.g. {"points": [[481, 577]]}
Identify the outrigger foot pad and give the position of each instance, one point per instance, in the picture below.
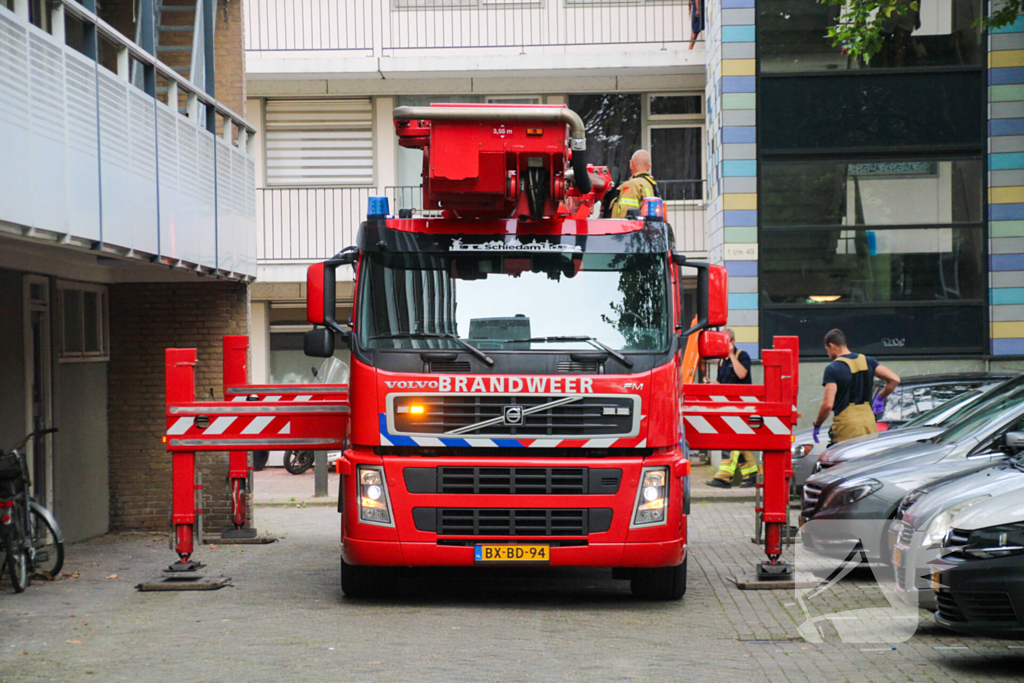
{"points": [[185, 566], [239, 533], [774, 570]]}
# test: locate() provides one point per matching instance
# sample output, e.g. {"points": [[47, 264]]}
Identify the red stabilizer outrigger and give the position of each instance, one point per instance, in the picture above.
{"points": [[754, 418], [252, 417]]}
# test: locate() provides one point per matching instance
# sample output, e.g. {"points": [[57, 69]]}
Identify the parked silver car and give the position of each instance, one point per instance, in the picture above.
{"points": [[868, 491], [924, 518], [810, 457], [926, 426]]}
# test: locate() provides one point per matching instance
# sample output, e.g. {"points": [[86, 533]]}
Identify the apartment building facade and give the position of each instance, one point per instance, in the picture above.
{"points": [[324, 78], [127, 225]]}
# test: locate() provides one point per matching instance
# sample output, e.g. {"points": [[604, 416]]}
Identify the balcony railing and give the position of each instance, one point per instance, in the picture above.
{"points": [[390, 26], [299, 224], [92, 160]]}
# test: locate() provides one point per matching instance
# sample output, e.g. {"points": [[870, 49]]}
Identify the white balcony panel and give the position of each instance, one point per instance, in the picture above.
{"points": [[83, 174], [15, 150], [181, 232], [47, 125], [206, 219], [142, 135], [115, 160]]}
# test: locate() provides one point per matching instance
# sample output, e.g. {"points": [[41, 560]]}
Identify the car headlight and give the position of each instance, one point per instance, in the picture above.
{"points": [[994, 541], [938, 527], [374, 503], [802, 450], [652, 497], [851, 493]]}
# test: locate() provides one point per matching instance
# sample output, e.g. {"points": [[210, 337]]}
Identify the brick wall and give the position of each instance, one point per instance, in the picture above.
{"points": [[145, 319]]}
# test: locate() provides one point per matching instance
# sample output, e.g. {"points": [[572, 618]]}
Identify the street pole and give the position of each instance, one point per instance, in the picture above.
{"points": [[320, 474]]}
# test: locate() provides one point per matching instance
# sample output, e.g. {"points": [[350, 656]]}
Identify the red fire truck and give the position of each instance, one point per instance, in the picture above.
{"points": [[515, 394]]}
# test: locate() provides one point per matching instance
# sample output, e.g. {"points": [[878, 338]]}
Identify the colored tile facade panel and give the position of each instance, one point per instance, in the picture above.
{"points": [[1010, 330], [999, 162], [1005, 347], [745, 67], [740, 218], [1006, 126], [739, 101], [1005, 58], [742, 301], [745, 34], [1013, 74], [740, 167], [1016, 27], [1006, 195], [741, 268], [1007, 297], [733, 134], [1005, 93], [1007, 262], [1006, 212], [740, 202], [738, 84], [1006, 229], [1008, 313], [745, 334], [740, 236]]}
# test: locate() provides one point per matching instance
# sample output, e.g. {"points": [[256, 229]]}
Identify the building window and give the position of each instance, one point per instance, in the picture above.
{"points": [[670, 126], [319, 142], [288, 362], [792, 37], [891, 251], [871, 192], [83, 316]]}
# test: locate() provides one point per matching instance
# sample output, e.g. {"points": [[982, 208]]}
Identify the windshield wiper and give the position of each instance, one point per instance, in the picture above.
{"points": [[581, 338], [439, 335]]}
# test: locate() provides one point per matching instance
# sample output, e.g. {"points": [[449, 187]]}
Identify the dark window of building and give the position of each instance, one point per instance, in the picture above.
{"points": [[887, 112], [792, 37], [614, 129], [871, 192], [846, 266], [676, 157], [675, 105]]}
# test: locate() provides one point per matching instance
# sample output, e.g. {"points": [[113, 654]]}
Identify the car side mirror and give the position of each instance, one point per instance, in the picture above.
{"points": [[1014, 442]]}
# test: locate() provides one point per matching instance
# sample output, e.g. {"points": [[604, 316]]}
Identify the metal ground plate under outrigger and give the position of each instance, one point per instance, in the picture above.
{"points": [[240, 537], [185, 576]]}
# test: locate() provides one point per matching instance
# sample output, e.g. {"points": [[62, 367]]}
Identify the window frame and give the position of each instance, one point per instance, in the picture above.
{"points": [[102, 323], [649, 122]]}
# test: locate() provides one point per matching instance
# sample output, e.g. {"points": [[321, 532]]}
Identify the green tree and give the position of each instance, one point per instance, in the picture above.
{"points": [[859, 30]]}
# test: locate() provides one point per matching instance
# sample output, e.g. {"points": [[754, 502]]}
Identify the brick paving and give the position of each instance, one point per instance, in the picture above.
{"points": [[284, 620]]}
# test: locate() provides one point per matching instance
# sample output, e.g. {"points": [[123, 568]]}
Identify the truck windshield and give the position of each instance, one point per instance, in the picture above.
{"points": [[517, 301]]}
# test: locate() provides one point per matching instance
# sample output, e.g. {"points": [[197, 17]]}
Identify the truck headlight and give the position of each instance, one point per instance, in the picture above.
{"points": [[847, 495], [651, 497], [374, 503]]}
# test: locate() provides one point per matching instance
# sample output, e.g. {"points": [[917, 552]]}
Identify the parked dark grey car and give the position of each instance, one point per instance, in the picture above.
{"points": [[866, 493]]}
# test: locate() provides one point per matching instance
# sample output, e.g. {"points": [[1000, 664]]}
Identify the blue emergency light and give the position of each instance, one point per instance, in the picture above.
{"points": [[653, 209], [378, 207]]}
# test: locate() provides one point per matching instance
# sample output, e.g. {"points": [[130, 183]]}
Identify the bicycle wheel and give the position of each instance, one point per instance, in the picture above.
{"points": [[17, 562], [298, 462], [48, 557]]}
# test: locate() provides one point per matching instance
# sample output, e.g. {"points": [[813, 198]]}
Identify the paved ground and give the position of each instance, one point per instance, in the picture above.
{"points": [[284, 619]]}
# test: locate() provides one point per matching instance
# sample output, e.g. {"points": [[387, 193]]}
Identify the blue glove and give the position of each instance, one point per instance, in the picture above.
{"points": [[815, 434], [878, 405]]}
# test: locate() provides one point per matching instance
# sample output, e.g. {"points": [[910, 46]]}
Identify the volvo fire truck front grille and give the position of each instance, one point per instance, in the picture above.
{"points": [[497, 415], [519, 481], [512, 522]]}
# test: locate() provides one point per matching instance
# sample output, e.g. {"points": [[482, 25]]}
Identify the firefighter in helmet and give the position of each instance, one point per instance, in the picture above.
{"points": [[639, 187]]}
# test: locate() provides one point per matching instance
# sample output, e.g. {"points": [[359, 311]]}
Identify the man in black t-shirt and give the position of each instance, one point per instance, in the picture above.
{"points": [[735, 369], [848, 382]]}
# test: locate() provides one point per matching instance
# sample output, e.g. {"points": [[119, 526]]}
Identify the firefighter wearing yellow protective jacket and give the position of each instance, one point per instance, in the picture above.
{"points": [[639, 187], [848, 382]]}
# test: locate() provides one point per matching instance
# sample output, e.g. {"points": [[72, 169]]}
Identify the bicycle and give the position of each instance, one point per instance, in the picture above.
{"points": [[32, 540]]}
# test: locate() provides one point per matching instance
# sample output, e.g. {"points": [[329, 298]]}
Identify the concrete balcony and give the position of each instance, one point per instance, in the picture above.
{"points": [[374, 40], [93, 158]]}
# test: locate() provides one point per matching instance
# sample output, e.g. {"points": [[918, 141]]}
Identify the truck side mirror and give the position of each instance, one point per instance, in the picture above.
{"points": [[319, 342], [1014, 442], [713, 344], [712, 293]]}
